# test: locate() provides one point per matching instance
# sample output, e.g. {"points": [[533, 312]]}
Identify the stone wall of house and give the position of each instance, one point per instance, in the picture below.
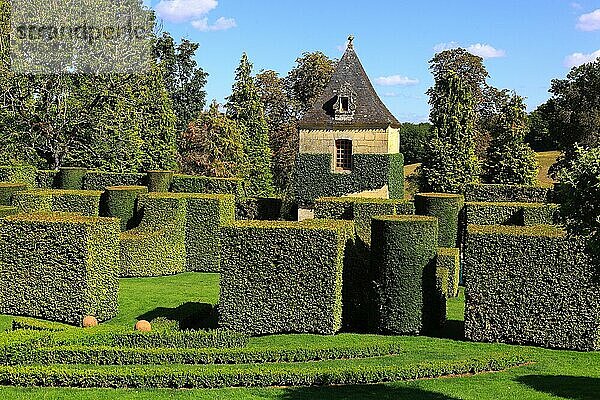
{"points": [[364, 141]]}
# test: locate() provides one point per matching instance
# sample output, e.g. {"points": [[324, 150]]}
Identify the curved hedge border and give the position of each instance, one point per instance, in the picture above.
{"points": [[248, 376], [120, 202], [404, 252], [105, 355], [315, 179], [160, 181], [447, 209]]}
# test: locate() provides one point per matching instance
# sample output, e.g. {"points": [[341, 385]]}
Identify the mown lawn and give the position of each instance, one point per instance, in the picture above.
{"points": [[554, 375]]}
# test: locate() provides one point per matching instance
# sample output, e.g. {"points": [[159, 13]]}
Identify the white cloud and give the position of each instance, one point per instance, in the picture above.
{"points": [[390, 94], [396, 80], [485, 51], [221, 24], [445, 46], [478, 49], [577, 59], [184, 10], [576, 6], [589, 22]]}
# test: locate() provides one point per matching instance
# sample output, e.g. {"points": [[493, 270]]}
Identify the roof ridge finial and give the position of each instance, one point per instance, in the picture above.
{"points": [[351, 42]]}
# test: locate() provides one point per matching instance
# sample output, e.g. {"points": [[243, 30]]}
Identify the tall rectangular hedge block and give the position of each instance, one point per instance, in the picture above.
{"points": [[495, 193], [449, 258], [59, 267], [18, 174], [315, 178], [203, 184], [404, 253], [517, 214], [157, 246], [530, 285], [85, 202], [207, 214], [447, 208], [283, 277]]}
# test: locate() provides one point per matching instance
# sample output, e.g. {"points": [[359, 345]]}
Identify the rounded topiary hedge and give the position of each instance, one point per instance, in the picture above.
{"points": [[120, 202], [404, 249], [160, 181], [7, 190], [446, 208], [71, 178]]}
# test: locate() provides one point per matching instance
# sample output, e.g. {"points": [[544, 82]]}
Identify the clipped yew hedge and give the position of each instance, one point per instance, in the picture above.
{"points": [[202, 184], [59, 267], [99, 180], [283, 277], [18, 174], [84, 202], [499, 193], [157, 246], [404, 251], [530, 285], [71, 178], [7, 190], [121, 202], [315, 179], [447, 209], [207, 214], [517, 214], [48, 179], [449, 259], [5, 211]]}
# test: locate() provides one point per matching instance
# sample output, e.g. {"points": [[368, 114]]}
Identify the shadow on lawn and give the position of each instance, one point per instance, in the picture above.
{"points": [[453, 329], [375, 392], [569, 387], [189, 315]]}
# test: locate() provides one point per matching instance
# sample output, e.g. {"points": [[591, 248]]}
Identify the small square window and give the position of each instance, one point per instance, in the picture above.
{"points": [[343, 149]]}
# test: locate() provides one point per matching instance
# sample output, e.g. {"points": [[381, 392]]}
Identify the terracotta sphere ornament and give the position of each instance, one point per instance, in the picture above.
{"points": [[89, 321], [143, 326]]}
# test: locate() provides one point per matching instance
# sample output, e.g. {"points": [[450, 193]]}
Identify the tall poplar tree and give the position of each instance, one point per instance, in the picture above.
{"points": [[245, 106]]}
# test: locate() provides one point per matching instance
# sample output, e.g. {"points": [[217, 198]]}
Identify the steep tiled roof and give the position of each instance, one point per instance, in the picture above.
{"points": [[366, 109]]}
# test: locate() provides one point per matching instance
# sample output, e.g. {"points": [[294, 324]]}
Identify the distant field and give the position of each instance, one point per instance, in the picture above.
{"points": [[546, 160]]}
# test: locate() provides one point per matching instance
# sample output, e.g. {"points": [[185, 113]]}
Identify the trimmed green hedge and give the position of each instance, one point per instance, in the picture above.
{"points": [[32, 324], [157, 246], [447, 209], [7, 190], [498, 193], [179, 377], [85, 202], [518, 214], [99, 180], [530, 285], [194, 355], [404, 253], [59, 267], [121, 202], [48, 179], [160, 181], [18, 174], [6, 211], [315, 179], [206, 215], [259, 209], [203, 184], [71, 178], [283, 277], [449, 258]]}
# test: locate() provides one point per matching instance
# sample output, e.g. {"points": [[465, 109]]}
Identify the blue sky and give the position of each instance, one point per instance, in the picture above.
{"points": [[525, 44]]}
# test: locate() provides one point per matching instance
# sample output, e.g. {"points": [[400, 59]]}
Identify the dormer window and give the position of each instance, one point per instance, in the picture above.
{"points": [[344, 104], [343, 150]]}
